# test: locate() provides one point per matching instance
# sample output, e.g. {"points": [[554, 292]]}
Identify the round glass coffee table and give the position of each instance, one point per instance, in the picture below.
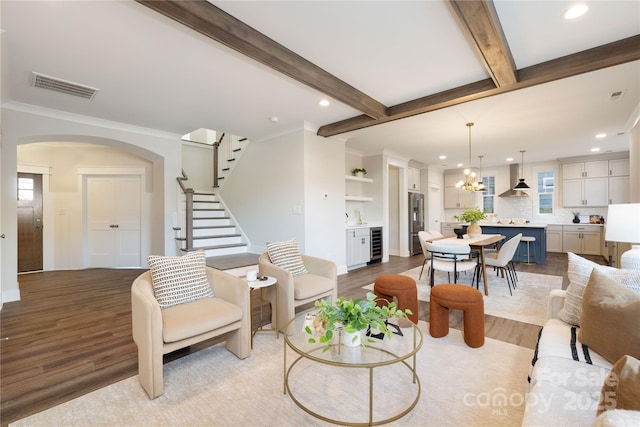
{"points": [[379, 380]]}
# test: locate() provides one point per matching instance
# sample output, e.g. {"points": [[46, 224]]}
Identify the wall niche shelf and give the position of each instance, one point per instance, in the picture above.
{"points": [[355, 189], [355, 178]]}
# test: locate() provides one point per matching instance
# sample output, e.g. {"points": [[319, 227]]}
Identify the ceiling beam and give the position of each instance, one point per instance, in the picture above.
{"points": [[609, 55], [480, 23], [218, 25]]}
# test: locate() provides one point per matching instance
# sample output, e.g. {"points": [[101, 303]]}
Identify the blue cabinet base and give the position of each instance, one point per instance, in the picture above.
{"points": [[540, 244]]}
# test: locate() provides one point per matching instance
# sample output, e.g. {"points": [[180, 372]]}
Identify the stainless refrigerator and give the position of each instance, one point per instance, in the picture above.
{"points": [[416, 222]]}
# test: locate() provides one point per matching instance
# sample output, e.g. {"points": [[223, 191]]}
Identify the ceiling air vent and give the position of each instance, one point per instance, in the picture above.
{"points": [[59, 85], [616, 95]]}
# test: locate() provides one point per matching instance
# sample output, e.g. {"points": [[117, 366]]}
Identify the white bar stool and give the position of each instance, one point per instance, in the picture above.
{"points": [[528, 240]]}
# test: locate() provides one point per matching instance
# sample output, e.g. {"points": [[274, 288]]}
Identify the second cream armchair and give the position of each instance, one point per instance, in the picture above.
{"points": [[321, 281]]}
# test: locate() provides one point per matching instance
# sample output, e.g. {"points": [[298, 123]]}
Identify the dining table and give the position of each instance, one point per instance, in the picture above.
{"points": [[476, 242]]}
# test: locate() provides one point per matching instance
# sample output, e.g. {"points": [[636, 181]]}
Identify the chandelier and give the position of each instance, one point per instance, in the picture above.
{"points": [[469, 183]]}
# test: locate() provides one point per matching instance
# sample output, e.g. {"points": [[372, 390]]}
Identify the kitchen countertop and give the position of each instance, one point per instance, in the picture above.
{"points": [[527, 225], [351, 226]]}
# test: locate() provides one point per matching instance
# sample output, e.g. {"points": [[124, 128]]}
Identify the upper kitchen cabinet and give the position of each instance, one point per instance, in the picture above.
{"points": [[414, 179], [595, 182], [454, 197]]}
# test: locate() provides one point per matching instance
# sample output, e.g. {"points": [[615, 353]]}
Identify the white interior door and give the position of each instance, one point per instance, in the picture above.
{"points": [[434, 207], [113, 221]]}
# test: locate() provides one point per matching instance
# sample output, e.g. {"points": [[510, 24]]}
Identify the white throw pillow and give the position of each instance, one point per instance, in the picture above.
{"points": [[177, 280], [579, 271], [286, 255]]}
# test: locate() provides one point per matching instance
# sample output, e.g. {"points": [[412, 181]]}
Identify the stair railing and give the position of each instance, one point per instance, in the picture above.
{"points": [[188, 226]]}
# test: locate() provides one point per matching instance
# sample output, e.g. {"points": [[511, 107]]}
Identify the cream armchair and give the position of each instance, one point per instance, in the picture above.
{"points": [[293, 291], [157, 332]]}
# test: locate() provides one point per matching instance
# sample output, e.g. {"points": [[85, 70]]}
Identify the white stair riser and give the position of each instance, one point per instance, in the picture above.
{"points": [[210, 222], [206, 214], [198, 243], [216, 205], [214, 231]]}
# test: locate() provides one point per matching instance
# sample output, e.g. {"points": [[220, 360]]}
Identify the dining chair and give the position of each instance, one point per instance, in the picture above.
{"points": [[452, 258], [436, 234], [502, 260], [423, 236]]}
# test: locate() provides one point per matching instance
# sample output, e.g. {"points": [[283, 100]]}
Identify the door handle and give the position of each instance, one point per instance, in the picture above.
{"points": [[38, 225], [113, 226]]}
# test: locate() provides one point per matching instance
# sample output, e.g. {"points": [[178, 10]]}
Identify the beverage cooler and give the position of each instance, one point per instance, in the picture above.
{"points": [[416, 222]]}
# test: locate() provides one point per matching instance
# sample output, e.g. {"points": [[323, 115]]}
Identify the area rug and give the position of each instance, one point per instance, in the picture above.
{"points": [[461, 386], [528, 303]]}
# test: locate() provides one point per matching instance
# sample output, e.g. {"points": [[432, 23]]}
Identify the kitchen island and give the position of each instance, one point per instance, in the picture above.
{"points": [[539, 231]]}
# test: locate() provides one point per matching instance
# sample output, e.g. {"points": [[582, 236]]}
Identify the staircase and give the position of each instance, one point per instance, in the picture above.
{"points": [[205, 222], [213, 228]]}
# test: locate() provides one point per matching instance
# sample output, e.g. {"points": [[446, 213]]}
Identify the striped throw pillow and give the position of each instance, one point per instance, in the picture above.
{"points": [[286, 255], [179, 279]]}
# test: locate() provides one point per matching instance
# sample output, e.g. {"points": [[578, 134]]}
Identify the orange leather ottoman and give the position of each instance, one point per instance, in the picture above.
{"points": [[403, 288], [460, 297]]}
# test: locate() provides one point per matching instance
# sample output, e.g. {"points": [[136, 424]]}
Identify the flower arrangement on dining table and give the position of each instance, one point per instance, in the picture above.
{"points": [[353, 315]]}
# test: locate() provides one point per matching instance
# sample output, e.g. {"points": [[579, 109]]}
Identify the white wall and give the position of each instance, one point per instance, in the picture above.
{"points": [[324, 163], [63, 211], [394, 211], [24, 124], [197, 163]]}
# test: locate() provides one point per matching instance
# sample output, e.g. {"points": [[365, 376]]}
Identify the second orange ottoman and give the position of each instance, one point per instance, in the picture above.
{"points": [[460, 297], [403, 288]]}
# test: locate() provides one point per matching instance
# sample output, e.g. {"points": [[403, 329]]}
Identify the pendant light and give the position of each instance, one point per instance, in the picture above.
{"points": [[480, 184], [469, 182], [521, 184]]}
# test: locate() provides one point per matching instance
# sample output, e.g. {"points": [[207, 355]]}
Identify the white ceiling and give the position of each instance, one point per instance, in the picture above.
{"points": [[153, 72]]}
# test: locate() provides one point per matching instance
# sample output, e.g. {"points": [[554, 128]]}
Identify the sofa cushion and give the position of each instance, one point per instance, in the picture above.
{"points": [[197, 317], [621, 389], [618, 418], [552, 405], [579, 270], [310, 285], [286, 255], [610, 318], [177, 280]]}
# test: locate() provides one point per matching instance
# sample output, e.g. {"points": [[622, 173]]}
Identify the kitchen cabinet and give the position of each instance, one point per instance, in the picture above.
{"points": [[354, 188], [358, 247], [457, 198], [582, 239], [618, 189], [595, 183], [585, 192], [554, 238], [593, 169], [619, 167], [414, 179]]}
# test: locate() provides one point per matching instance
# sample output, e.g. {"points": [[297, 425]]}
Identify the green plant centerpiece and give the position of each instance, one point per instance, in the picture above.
{"points": [[472, 216], [353, 315], [360, 171]]}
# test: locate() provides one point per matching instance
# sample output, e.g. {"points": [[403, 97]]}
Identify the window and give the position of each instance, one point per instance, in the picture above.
{"points": [[546, 186], [489, 194], [25, 189]]}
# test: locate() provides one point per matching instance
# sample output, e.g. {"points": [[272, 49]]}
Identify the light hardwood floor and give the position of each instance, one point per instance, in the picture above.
{"points": [[71, 331]]}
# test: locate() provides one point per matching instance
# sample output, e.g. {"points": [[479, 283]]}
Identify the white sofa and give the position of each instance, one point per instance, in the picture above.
{"points": [[564, 391]]}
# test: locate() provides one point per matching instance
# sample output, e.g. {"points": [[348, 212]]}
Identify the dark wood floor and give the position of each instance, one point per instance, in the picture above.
{"points": [[71, 331]]}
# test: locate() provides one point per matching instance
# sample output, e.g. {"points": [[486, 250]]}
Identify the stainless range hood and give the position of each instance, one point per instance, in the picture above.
{"points": [[513, 179]]}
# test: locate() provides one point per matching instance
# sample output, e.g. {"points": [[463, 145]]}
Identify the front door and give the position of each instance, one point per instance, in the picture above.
{"points": [[29, 222]]}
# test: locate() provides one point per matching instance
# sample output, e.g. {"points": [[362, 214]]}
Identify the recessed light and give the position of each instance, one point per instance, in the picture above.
{"points": [[459, 165], [509, 159], [575, 11], [595, 149], [601, 135], [274, 119], [443, 157], [324, 102]]}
